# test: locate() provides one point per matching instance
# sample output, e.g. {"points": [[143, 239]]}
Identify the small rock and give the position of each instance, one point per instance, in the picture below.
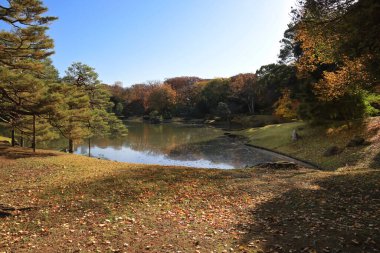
{"points": [[356, 141], [334, 150], [295, 135]]}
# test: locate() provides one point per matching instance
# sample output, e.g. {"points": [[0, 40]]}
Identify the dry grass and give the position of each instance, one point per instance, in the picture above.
{"points": [[90, 205]]}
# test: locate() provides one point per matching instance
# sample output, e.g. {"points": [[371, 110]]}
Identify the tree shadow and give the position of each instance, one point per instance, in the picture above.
{"points": [[9, 152], [375, 164], [342, 214]]}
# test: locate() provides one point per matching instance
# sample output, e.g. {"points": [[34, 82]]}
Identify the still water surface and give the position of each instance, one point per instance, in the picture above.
{"points": [[175, 144], [154, 144]]}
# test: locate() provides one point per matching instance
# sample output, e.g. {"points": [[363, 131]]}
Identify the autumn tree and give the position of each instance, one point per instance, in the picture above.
{"points": [[137, 98], [246, 87], [273, 79], [185, 90], [213, 92], [286, 107], [162, 98], [179, 83], [338, 55]]}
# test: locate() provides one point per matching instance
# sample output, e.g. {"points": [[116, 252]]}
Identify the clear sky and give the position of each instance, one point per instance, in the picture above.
{"points": [[134, 41]]}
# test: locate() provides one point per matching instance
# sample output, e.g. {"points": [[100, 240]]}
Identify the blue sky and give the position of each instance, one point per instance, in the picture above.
{"points": [[134, 41]]}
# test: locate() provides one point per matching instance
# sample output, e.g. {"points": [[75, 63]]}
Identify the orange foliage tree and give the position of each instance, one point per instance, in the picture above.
{"points": [[162, 98], [286, 107]]}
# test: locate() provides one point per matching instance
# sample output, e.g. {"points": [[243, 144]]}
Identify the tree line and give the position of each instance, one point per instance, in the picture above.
{"points": [[328, 69], [194, 97], [35, 103]]}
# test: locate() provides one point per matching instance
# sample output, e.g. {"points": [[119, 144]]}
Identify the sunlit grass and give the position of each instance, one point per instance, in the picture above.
{"points": [[314, 141], [272, 136], [2, 138]]}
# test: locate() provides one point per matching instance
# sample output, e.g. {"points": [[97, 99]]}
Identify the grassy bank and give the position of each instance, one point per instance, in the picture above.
{"points": [[4, 139], [247, 121], [315, 140], [85, 204]]}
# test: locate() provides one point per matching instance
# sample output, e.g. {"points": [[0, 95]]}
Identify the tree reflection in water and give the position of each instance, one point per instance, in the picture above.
{"points": [[176, 144]]}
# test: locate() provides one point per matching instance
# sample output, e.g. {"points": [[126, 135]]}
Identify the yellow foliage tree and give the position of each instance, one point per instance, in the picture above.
{"points": [[286, 107]]}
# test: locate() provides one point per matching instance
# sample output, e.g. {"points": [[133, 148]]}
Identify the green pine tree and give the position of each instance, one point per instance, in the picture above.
{"points": [[24, 48], [101, 122], [25, 96], [71, 114], [23, 35]]}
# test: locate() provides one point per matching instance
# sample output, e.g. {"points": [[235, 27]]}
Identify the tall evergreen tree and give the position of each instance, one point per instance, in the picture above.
{"points": [[24, 96], [24, 45], [101, 121], [71, 114], [23, 38]]}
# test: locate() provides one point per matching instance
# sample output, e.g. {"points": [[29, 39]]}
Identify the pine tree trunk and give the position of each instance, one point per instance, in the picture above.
{"points": [[89, 147], [34, 133], [22, 140], [71, 146], [13, 137]]}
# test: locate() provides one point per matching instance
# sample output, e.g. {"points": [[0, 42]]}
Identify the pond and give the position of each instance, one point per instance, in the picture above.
{"points": [[174, 144]]}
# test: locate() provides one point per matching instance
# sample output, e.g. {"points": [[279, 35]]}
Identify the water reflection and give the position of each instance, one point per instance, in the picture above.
{"points": [[154, 144], [175, 144]]}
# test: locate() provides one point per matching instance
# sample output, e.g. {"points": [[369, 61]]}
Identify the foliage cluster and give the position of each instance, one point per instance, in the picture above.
{"points": [[335, 48], [35, 103], [250, 93]]}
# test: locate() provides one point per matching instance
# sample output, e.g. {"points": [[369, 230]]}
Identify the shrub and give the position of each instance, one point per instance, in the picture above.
{"points": [[166, 115], [155, 117], [223, 111]]}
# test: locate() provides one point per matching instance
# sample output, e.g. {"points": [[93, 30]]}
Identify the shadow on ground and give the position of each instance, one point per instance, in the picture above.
{"points": [[342, 214], [376, 162], [9, 152]]}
